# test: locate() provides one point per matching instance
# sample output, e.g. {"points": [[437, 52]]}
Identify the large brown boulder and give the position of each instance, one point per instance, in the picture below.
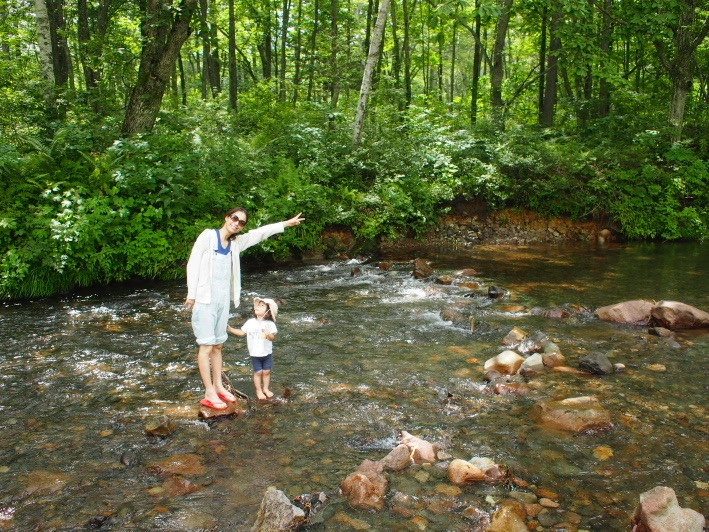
{"points": [[659, 511], [636, 312], [674, 315], [576, 414], [366, 487]]}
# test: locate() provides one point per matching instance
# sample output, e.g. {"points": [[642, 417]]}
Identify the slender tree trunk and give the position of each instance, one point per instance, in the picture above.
{"points": [[285, 18], [407, 51], [164, 32], [542, 62], [396, 59], [84, 35], [313, 51], [44, 40], [297, 51], [497, 72], [477, 62], [54, 51], [206, 50], [183, 81], [604, 89], [334, 73], [233, 68], [454, 49], [375, 50], [552, 72], [265, 47]]}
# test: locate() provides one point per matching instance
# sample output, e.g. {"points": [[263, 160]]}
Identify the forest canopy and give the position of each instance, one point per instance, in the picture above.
{"points": [[127, 127]]}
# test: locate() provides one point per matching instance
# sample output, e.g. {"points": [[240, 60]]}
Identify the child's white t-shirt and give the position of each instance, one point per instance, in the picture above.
{"points": [[256, 331]]}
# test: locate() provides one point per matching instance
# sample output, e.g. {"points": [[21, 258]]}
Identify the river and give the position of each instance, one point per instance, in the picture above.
{"points": [[364, 354]]}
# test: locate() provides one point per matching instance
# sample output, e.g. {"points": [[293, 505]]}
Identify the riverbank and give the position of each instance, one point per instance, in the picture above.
{"points": [[468, 225]]}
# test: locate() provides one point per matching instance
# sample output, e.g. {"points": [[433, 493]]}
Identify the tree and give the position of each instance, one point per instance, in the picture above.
{"points": [[375, 50], [164, 29], [497, 72], [679, 59]]}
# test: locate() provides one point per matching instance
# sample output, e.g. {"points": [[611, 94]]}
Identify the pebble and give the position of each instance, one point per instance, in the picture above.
{"points": [[548, 503]]}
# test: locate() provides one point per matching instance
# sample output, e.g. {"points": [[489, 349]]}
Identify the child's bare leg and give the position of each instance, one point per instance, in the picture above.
{"points": [[267, 382], [257, 385]]}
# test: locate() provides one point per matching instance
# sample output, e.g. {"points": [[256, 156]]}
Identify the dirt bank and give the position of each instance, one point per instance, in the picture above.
{"points": [[469, 225]]}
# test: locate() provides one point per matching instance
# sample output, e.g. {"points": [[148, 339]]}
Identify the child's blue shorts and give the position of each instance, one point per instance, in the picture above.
{"points": [[262, 363]]}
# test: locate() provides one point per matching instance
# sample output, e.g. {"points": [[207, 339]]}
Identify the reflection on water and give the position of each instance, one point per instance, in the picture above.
{"points": [[365, 357]]}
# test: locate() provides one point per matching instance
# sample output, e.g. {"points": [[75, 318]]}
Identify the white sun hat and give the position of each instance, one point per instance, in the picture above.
{"points": [[272, 305]]}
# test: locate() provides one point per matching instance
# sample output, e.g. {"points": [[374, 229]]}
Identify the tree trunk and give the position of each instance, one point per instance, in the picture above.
{"points": [[284, 47], [313, 50], [477, 62], [91, 77], [497, 72], [44, 40], [542, 62], [407, 51], [298, 51], [53, 50], [604, 90], [454, 50], [681, 66], [334, 73], [164, 32], [233, 70], [375, 50], [552, 71]]}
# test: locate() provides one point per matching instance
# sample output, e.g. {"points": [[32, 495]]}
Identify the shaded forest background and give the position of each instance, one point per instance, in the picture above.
{"points": [[127, 127]]}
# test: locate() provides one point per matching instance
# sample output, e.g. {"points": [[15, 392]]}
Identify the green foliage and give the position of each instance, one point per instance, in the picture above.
{"points": [[75, 213]]}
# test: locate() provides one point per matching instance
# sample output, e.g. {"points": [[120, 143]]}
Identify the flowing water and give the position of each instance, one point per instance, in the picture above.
{"points": [[364, 356]]}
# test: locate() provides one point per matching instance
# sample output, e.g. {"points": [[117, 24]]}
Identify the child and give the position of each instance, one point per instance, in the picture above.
{"points": [[260, 333]]}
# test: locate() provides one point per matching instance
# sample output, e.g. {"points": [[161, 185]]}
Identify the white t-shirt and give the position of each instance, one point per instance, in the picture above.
{"points": [[256, 331]]}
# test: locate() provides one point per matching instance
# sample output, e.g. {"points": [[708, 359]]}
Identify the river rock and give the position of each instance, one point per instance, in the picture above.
{"points": [[462, 472], [576, 414], [366, 487], [398, 459], [422, 270], [661, 332], [240, 407], [556, 313], [514, 337], [511, 388], [508, 363], [553, 359], [659, 511], [42, 482], [478, 469], [675, 315], [596, 363], [509, 517], [179, 464], [161, 426], [176, 485], [277, 513], [532, 364], [636, 312], [422, 452], [495, 292]]}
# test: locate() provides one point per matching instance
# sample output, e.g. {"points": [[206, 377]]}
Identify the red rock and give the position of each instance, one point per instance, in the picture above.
{"points": [[674, 315], [636, 312]]}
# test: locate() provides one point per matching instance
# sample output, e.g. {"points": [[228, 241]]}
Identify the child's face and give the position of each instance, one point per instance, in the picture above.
{"points": [[260, 308]]}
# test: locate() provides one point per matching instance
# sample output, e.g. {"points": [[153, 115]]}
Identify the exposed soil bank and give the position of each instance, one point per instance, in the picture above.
{"points": [[467, 226]]}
